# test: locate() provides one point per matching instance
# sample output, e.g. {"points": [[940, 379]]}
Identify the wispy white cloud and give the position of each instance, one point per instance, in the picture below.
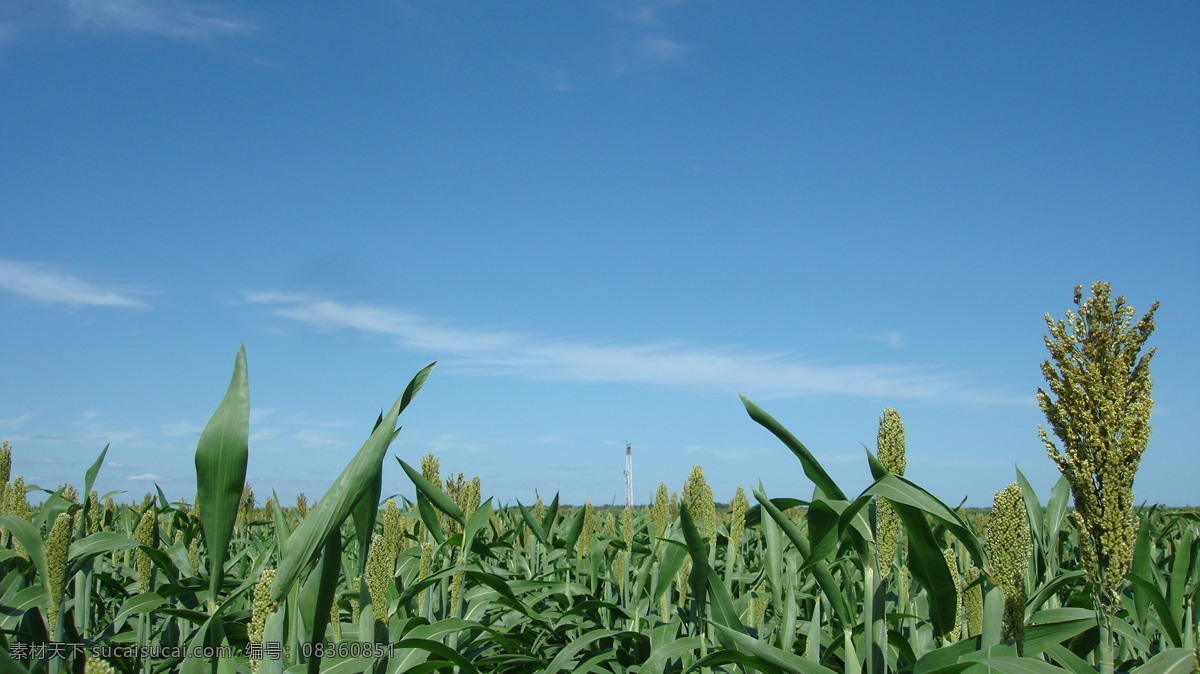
{"points": [[672, 365], [15, 421], [166, 18], [643, 33], [315, 437], [892, 339], [46, 283], [144, 476], [660, 48], [181, 428]]}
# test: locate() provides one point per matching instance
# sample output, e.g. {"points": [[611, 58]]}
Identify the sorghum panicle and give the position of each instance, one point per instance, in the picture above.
{"points": [[1009, 546], [698, 496], [57, 543], [380, 568], [737, 518], [146, 533], [890, 447], [261, 609], [1100, 412]]}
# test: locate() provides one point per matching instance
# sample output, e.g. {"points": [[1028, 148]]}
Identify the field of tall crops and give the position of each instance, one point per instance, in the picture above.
{"points": [[891, 579]]}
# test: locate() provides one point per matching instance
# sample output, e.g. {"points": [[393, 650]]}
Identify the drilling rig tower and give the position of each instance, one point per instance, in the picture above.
{"points": [[628, 475]]}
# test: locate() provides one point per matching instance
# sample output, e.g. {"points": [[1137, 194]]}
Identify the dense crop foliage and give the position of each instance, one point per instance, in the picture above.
{"points": [[891, 579]]}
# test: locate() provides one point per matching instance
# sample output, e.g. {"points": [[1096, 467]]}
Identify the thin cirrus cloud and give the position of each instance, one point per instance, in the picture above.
{"points": [[47, 284], [490, 352], [165, 18]]}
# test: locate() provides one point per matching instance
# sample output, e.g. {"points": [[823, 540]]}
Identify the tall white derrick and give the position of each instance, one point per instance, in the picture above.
{"points": [[628, 475]]}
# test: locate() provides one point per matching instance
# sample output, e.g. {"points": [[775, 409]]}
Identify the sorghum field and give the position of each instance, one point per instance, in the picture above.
{"points": [[891, 579]]}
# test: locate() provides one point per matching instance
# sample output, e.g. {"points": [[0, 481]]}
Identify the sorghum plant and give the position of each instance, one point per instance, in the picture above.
{"points": [[1100, 380]]}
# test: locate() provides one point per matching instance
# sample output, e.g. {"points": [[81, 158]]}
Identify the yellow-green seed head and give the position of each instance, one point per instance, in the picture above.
{"points": [[57, 543], [1009, 543], [1100, 380], [583, 546], [890, 442], [302, 504], [194, 554], [960, 619], [94, 665], [431, 470], [335, 620], [393, 527], [69, 492], [539, 510], [660, 512], [890, 449], [737, 517], [423, 569], [5, 462], [146, 533], [16, 504], [456, 589], [1009, 546], [973, 602], [95, 513], [380, 572], [698, 496], [262, 608]]}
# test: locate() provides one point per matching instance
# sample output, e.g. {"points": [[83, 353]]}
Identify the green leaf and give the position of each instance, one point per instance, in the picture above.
{"points": [[703, 579], [902, 492], [564, 658], [533, 524], [812, 467], [1170, 661], [928, 566], [25, 533], [434, 495], [824, 578], [329, 513], [139, 603], [89, 478], [789, 662], [1170, 629], [221, 471]]}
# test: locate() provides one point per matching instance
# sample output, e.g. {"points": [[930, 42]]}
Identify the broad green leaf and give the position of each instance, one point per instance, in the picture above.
{"points": [[703, 580], [329, 513], [567, 654], [824, 578], [901, 491], [221, 471], [433, 494], [533, 524], [1170, 661], [789, 662], [928, 566], [89, 478], [101, 541], [812, 467], [140, 603], [25, 533]]}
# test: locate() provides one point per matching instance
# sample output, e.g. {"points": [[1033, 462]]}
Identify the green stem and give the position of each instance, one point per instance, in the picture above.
{"points": [[1104, 652]]}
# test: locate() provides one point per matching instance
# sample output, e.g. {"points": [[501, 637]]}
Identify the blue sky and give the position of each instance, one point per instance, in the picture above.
{"points": [[604, 219]]}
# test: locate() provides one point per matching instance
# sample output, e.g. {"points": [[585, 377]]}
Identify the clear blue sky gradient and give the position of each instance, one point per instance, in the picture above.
{"points": [[604, 220]]}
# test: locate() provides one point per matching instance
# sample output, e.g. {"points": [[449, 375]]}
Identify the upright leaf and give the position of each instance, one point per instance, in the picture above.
{"points": [[221, 471], [343, 494]]}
